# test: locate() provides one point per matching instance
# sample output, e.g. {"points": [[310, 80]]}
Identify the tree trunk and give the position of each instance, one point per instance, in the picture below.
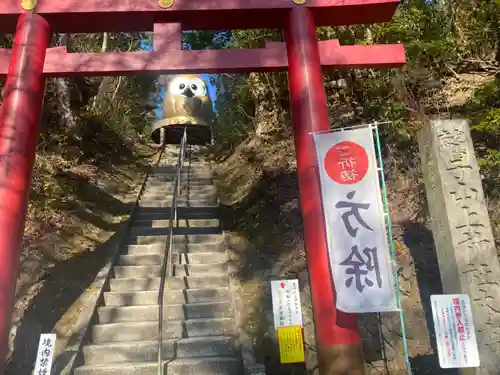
{"points": [[106, 81], [64, 94]]}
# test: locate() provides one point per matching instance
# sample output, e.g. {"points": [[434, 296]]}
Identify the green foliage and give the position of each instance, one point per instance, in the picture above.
{"points": [[485, 105], [443, 39], [235, 111]]}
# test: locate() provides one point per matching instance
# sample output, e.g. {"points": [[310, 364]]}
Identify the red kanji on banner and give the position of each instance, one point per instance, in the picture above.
{"points": [[346, 162]]}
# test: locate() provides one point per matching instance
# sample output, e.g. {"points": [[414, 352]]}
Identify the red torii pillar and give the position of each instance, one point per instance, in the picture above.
{"points": [[337, 337], [19, 127], [338, 342]]}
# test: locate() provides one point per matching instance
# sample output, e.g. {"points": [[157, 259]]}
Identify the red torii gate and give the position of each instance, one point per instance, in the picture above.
{"points": [[31, 60]]}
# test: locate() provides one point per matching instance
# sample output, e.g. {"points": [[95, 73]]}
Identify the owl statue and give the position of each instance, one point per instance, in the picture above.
{"points": [[186, 105]]}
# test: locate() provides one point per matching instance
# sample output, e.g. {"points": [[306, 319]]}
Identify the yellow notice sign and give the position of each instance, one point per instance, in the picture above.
{"points": [[291, 344]]}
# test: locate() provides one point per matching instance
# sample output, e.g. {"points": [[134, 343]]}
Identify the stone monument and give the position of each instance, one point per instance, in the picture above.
{"points": [[465, 246]]}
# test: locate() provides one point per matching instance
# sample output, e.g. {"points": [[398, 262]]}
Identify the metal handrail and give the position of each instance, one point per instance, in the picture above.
{"points": [[167, 259]]}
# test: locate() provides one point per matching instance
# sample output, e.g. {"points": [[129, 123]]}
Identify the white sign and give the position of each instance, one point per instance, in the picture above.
{"points": [[256, 369], [286, 303], [455, 333], [46, 346], [355, 221]]}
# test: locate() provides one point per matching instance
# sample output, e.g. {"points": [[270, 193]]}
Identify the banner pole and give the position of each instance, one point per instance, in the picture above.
{"points": [[391, 244]]}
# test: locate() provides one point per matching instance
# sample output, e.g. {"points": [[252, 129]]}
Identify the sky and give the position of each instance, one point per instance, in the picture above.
{"points": [[212, 92]]}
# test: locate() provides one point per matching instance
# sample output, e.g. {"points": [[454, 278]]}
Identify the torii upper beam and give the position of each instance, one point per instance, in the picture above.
{"points": [[71, 16]]}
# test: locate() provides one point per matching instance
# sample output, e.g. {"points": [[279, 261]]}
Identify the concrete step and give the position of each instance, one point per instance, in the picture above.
{"points": [[192, 182], [184, 194], [185, 176], [136, 368], [180, 202], [168, 189], [175, 283], [196, 179], [171, 169], [185, 171], [185, 366], [200, 269], [143, 331], [163, 213], [184, 258], [181, 223], [159, 248], [162, 202], [177, 231], [106, 314], [127, 272], [135, 284], [118, 314], [145, 351], [141, 260], [178, 238], [181, 193], [179, 296], [200, 258], [205, 366], [211, 346], [197, 204], [198, 282]]}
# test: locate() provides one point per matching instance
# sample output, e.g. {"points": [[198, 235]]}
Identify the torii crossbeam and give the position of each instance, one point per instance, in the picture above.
{"points": [[31, 60]]}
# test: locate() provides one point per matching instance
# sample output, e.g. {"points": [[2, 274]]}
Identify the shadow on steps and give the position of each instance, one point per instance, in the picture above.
{"points": [[56, 294], [58, 297]]}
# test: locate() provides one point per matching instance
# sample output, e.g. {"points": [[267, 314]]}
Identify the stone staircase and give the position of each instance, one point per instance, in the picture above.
{"points": [[199, 329]]}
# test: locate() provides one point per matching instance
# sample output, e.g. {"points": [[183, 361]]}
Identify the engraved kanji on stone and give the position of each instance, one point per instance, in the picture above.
{"points": [[359, 269], [459, 155], [354, 211], [465, 195], [449, 139]]}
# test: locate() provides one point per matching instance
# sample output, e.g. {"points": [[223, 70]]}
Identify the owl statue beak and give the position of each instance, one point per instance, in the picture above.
{"points": [[188, 93]]}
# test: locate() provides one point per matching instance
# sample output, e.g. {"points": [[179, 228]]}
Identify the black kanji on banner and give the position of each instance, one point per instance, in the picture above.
{"points": [[354, 210], [359, 267]]}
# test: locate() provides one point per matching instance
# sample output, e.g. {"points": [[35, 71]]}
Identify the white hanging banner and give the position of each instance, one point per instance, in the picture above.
{"points": [[355, 221]]}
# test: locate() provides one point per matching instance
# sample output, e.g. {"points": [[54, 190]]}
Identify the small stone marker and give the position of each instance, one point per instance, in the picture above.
{"points": [[46, 346], [455, 332], [288, 320], [464, 241]]}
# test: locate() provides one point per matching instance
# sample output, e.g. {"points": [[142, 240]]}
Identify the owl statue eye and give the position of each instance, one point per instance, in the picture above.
{"points": [[197, 86], [178, 85]]}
